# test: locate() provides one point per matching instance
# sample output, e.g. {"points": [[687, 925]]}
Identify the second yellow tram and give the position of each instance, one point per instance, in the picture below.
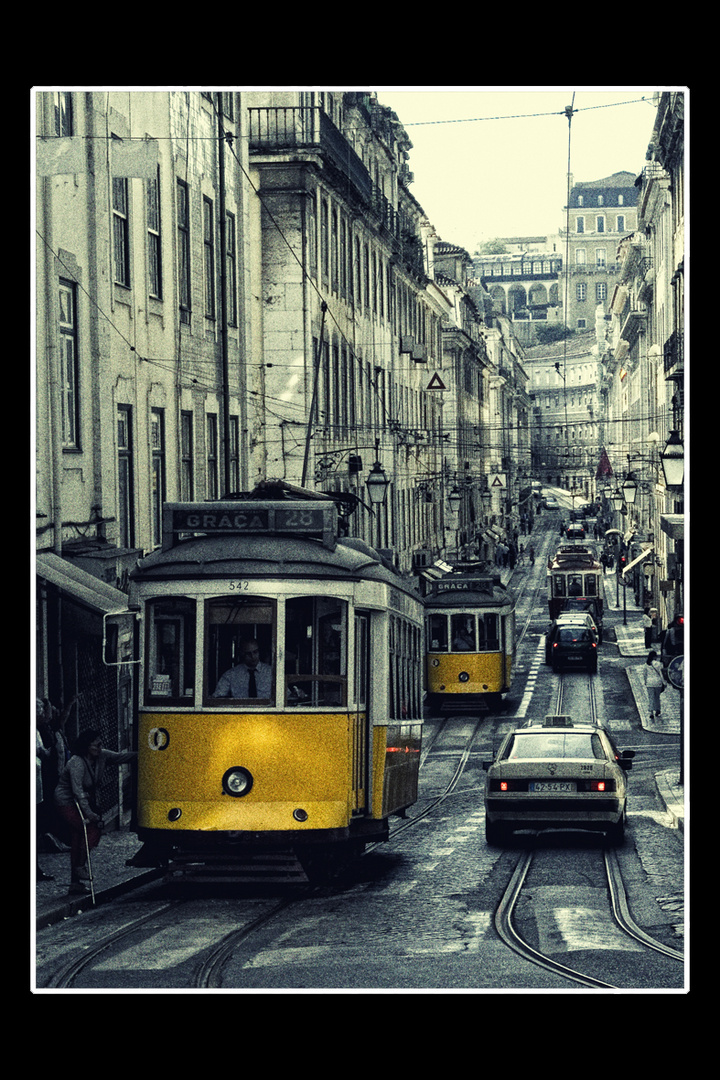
{"points": [[470, 643]]}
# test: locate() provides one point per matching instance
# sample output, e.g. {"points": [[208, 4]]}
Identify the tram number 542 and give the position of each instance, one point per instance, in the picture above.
{"points": [[238, 586]]}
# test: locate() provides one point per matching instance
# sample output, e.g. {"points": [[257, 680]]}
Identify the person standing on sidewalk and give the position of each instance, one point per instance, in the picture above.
{"points": [[647, 627], [654, 683], [76, 800]]}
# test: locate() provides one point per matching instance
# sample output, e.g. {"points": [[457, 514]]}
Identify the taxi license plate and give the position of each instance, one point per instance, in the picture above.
{"points": [[552, 785]]}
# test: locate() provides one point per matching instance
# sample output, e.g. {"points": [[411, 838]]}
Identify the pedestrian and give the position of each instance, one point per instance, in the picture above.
{"points": [[654, 683], [531, 553], [647, 627], [41, 754], [76, 798]]}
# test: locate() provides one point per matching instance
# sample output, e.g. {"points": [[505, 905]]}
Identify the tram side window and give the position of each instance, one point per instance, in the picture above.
{"points": [[240, 649], [438, 633], [316, 651], [488, 638], [559, 585], [170, 651], [463, 633], [590, 585]]}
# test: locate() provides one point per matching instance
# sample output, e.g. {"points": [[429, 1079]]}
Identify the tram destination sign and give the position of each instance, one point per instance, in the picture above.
{"points": [[249, 519]]}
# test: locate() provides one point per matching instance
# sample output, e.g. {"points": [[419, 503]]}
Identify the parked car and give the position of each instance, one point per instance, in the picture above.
{"points": [[559, 774], [574, 646], [567, 619]]}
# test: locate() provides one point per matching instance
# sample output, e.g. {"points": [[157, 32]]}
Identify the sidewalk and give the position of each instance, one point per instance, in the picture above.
{"points": [[631, 642], [111, 877]]}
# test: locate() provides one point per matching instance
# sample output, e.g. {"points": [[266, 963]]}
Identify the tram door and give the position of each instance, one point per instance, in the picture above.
{"points": [[361, 719]]}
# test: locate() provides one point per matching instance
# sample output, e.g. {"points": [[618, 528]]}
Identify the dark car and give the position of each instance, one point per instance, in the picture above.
{"points": [[581, 619], [574, 646]]}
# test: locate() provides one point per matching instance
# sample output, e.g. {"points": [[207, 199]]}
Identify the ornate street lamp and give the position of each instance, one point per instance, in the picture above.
{"points": [[617, 499], [673, 460], [377, 482], [454, 499], [630, 489]]}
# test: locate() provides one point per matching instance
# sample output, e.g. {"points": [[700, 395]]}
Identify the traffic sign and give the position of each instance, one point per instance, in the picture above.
{"points": [[436, 383], [497, 481]]}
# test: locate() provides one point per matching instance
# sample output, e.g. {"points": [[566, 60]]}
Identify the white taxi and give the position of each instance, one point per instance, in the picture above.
{"points": [[557, 775]]}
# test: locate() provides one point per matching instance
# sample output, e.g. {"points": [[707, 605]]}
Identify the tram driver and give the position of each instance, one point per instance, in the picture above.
{"points": [[251, 678]]}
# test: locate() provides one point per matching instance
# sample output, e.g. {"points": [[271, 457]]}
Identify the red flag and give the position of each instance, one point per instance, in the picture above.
{"points": [[604, 467]]}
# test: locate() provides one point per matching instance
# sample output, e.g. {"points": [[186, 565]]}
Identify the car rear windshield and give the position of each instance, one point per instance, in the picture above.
{"points": [[554, 746], [576, 633]]}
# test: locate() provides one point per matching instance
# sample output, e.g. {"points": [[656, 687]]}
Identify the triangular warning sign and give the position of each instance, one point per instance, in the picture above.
{"points": [[497, 482], [436, 383]]}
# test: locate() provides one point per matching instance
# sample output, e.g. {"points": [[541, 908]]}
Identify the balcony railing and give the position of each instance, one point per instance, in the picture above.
{"points": [[307, 127]]}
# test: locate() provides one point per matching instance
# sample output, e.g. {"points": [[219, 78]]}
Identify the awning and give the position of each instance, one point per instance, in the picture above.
{"points": [[639, 559], [438, 570], [85, 588]]}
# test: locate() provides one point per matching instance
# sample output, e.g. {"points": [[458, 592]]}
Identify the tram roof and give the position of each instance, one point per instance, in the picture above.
{"points": [[567, 557], [478, 590], [276, 556]]}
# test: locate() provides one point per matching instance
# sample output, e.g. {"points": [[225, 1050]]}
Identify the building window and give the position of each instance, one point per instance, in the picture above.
{"points": [[621, 200], [154, 242], [62, 113], [580, 225], [580, 291], [183, 225], [325, 240], [69, 366], [125, 515], [231, 284], [209, 264], [157, 450], [580, 257], [601, 200], [600, 224], [121, 231], [621, 223], [187, 470], [600, 291], [212, 456], [601, 258]]}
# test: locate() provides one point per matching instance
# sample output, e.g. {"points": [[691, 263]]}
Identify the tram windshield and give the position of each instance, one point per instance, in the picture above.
{"points": [[316, 651], [464, 633], [170, 651], [240, 649]]}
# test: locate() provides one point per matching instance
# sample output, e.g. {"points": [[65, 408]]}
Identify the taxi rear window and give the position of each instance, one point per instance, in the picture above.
{"points": [[554, 746]]}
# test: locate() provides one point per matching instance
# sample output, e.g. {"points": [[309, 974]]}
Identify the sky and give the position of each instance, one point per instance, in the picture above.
{"points": [[493, 161]]}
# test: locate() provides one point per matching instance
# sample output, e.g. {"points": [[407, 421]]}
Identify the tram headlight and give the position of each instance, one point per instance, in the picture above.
{"points": [[463, 676], [237, 781]]}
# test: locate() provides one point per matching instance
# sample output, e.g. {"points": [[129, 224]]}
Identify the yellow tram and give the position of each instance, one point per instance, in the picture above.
{"points": [[322, 745], [470, 642]]}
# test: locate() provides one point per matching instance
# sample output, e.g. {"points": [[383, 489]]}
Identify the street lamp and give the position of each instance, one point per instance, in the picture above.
{"points": [[617, 499], [377, 482], [673, 460], [630, 489], [454, 499]]}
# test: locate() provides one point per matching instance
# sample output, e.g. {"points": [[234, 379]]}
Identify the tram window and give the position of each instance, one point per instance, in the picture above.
{"points": [[559, 585], [438, 633], [463, 633], [488, 639], [239, 636], [170, 651], [316, 651], [590, 585], [575, 584]]}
